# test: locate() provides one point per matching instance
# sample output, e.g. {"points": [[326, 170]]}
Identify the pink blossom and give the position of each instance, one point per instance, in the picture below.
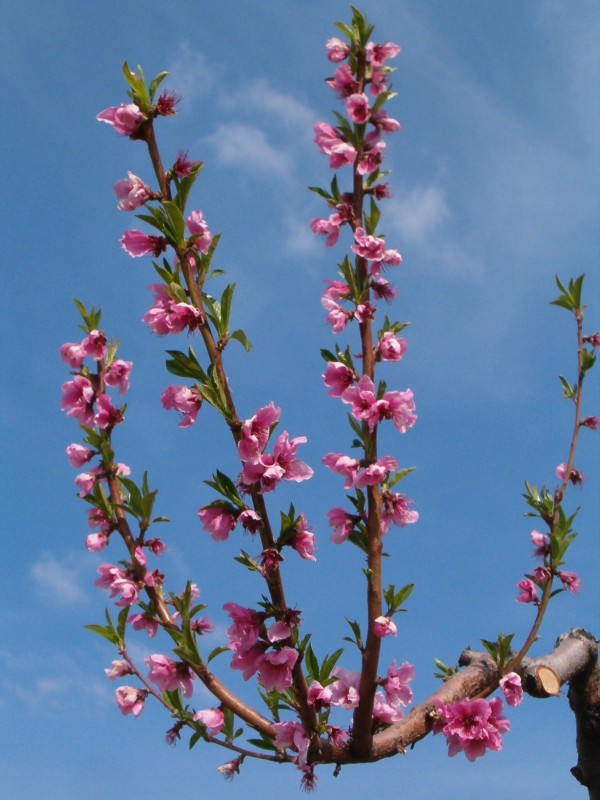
{"points": [[593, 339], [130, 700], [329, 142], [542, 574], [248, 661], [125, 118], [397, 406], [77, 398], [511, 688], [275, 669], [230, 769], [338, 736], [576, 477], [256, 431], [137, 244], [132, 192], [337, 50], [107, 416], [384, 123], [156, 546], [128, 590], [541, 542], [85, 482], [278, 631], [366, 246], [304, 540], [384, 626], [330, 227], [378, 82], [528, 591], [344, 465], [390, 347], [344, 691], [183, 166], [250, 520], [118, 669], [343, 82], [243, 633], [78, 455], [118, 375], [216, 521], [282, 465], [319, 696], [371, 159], [365, 312], [396, 684], [378, 54], [73, 354], [337, 316], [96, 542], [183, 399], [395, 509], [570, 581], [590, 422], [342, 523], [202, 625], [165, 105], [141, 622], [471, 726], [383, 289], [97, 519], [197, 226], [377, 472], [212, 719], [357, 108], [385, 713], [292, 735], [167, 316], [169, 675], [337, 290]]}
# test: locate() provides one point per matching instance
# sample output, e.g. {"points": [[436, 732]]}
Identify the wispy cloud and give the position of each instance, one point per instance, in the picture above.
{"points": [[247, 147], [191, 74], [58, 582], [262, 98]]}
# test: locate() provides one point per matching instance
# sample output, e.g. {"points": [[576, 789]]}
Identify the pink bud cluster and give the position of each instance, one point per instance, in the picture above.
{"points": [[529, 586]]}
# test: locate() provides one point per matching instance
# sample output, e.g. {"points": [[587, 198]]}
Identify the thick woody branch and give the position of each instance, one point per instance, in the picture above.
{"points": [[573, 654]]}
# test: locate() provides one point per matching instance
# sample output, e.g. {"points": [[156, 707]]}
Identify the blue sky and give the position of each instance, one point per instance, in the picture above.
{"points": [[495, 179]]}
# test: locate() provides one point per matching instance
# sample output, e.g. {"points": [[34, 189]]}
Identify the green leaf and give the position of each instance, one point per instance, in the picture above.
{"points": [[241, 337], [216, 652], [155, 83], [262, 744]]}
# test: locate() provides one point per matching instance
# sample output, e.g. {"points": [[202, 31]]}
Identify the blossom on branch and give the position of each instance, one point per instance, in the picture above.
{"points": [[125, 119], [472, 726]]}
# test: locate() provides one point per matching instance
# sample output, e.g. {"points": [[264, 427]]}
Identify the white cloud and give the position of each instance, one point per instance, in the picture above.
{"points": [[259, 96], [58, 582], [246, 146], [190, 74]]}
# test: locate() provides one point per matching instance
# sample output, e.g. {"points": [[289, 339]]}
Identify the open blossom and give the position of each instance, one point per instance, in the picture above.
{"points": [[342, 524], [96, 542], [378, 54], [396, 509], [511, 688], [136, 244], [330, 227], [198, 227], [130, 700], [118, 375], [107, 415], [77, 399], [370, 247], [169, 316], [344, 691], [337, 316], [384, 123], [169, 675], [118, 669], [396, 683], [390, 347], [343, 82], [292, 735], [471, 725], [384, 626], [183, 399], [275, 669], [281, 465], [383, 289], [528, 591], [357, 108], [73, 354], [141, 622], [256, 431], [318, 696], [212, 719], [371, 159], [384, 712], [250, 520], [570, 581], [245, 628], [344, 465], [85, 482], [337, 50], [330, 142], [376, 472], [217, 521], [132, 192], [125, 119]]}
